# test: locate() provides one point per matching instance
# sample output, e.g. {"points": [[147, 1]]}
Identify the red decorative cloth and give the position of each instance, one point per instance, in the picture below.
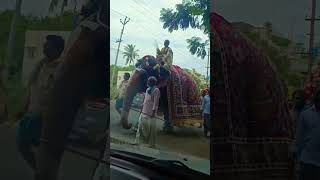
{"points": [[252, 127], [184, 98]]}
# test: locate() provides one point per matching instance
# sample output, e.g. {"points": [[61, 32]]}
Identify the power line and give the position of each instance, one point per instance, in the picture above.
{"points": [[152, 15], [118, 12]]}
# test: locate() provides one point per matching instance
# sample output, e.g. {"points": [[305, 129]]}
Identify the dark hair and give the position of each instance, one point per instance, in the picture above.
{"points": [[126, 76], [167, 41], [152, 81], [57, 42]]}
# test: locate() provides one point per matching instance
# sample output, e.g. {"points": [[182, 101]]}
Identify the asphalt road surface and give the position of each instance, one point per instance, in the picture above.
{"points": [[13, 167]]}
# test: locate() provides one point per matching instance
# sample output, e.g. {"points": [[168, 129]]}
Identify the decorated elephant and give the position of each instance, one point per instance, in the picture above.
{"points": [[179, 98], [252, 127]]}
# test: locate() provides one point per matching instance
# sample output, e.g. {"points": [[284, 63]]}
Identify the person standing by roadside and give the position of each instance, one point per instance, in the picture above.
{"points": [[147, 122], [122, 88], [29, 130], [308, 141], [206, 112], [299, 104]]}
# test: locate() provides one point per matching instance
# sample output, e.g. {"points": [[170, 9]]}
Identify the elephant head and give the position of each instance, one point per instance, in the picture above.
{"points": [[145, 68]]}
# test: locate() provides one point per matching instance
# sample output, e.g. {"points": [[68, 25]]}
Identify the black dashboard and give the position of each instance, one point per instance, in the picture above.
{"points": [[125, 167]]}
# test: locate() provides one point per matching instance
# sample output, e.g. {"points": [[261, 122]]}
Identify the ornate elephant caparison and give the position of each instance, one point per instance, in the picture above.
{"points": [[179, 99], [252, 128]]}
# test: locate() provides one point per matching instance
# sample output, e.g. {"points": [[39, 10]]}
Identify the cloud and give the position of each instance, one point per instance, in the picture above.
{"points": [[145, 28]]}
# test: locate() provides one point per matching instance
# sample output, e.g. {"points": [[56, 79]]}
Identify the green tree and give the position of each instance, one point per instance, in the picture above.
{"points": [[188, 14], [196, 46], [197, 77], [130, 53]]}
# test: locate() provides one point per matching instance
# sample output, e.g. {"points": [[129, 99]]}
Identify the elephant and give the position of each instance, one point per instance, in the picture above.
{"points": [[82, 74], [179, 98], [252, 127]]}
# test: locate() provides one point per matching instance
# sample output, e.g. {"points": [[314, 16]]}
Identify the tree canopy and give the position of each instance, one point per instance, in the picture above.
{"points": [[189, 14]]}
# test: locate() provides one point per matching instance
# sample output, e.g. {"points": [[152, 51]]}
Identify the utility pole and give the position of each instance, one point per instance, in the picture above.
{"points": [[12, 35], [311, 38], [126, 20], [208, 66]]}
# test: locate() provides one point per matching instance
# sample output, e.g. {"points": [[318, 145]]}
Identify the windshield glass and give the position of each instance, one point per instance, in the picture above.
{"points": [[159, 98]]}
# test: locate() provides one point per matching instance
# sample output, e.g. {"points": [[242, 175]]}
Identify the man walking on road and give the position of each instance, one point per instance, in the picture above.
{"points": [[308, 141], [29, 129], [122, 88]]}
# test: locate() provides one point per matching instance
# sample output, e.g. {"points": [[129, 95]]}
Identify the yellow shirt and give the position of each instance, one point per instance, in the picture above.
{"points": [[167, 54], [122, 88]]}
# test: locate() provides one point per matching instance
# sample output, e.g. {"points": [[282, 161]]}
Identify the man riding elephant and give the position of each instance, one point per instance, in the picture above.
{"points": [[81, 75], [166, 55]]}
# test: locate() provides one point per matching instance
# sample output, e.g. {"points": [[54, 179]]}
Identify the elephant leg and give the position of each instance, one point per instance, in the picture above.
{"points": [[167, 126]]}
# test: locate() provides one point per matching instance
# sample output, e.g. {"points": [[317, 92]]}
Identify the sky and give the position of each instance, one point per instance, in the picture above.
{"points": [[145, 30], [287, 16]]}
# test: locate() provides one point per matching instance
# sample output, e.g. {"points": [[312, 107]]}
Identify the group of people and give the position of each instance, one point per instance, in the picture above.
{"points": [[306, 115]]}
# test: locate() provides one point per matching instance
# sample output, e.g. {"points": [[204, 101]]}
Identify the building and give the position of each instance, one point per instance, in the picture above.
{"points": [[33, 47]]}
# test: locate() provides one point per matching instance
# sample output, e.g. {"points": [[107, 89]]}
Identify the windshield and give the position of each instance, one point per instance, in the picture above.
{"points": [[163, 119]]}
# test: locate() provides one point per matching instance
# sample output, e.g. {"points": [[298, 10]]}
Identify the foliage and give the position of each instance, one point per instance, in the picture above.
{"points": [[280, 41], [188, 14], [130, 53], [197, 47], [197, 77]]}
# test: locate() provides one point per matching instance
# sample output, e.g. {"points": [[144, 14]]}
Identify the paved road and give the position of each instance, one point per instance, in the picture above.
{"points": [[13, 167], [183, 140]]}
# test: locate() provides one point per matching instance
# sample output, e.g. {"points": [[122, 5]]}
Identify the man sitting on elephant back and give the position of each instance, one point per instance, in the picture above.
{"points": [[166, 55]]}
